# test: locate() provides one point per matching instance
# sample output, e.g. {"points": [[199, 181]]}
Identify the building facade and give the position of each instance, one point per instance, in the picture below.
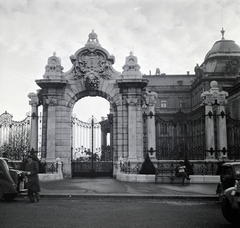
{"points": [[170, 117]]}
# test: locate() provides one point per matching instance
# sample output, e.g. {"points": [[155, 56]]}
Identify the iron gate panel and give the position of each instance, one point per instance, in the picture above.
{"points": [[180, 138], [89, 169], [233, 138], [94, 167]]}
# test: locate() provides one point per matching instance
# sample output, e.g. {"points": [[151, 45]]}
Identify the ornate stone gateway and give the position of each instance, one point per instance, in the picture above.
{"points": [[92, 74]]}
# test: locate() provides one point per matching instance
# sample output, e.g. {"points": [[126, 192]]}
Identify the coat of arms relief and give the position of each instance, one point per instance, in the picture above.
{"points": [[91, 65]]}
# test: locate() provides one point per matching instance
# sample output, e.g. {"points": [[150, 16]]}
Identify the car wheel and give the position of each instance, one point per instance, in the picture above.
{"points": [[1, 192], [10, 197], [230, 214]]}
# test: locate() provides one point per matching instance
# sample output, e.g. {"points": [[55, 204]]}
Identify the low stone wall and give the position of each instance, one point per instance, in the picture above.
{"points": [[135, 178], [50, 176], [195, 179]]}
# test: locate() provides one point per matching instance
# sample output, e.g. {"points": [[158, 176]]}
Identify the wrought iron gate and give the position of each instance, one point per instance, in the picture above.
{"points": [[233, 138], [95, 162], [180, 138], [93, 165]]}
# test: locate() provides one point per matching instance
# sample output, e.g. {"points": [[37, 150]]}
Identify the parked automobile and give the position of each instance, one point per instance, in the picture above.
{"points": [[231, 203], [229, 173], [12, 181]]}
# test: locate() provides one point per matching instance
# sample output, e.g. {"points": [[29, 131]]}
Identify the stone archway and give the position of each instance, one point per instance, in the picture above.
{"points": [[91, 74]]}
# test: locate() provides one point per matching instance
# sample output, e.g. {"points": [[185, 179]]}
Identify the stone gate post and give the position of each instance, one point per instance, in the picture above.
{"points": [[34, 102], [131, 87], [52, 101], [211, 98]]}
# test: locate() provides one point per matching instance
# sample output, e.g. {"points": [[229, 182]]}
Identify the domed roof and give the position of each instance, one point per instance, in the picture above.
{"points": [[223, 48]]}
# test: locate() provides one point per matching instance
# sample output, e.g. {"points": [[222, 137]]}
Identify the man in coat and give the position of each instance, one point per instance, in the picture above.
{"points": [[33, 181]]}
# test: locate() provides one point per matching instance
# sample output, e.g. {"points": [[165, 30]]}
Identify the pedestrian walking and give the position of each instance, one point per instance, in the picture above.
{"points": [[33, 180], [182, 172]]}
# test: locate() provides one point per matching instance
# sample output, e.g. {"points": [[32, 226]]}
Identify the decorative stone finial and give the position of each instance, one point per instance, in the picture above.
{"points": [[214, 84], [53, 69], [131, 67], [223, 31], [92, 40], [214, 95]]}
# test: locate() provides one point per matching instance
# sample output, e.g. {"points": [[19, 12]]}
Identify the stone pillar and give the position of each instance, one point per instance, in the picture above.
{"points": [[151, 129], [211, 98], [34, 121], [51, 129], [132, 134], [209, 132], [131, 87]]}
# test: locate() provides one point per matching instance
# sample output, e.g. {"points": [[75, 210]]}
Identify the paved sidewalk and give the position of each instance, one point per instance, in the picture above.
{"points": [[107, 187]]}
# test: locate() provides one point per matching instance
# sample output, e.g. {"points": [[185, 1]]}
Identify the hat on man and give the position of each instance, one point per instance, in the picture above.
{"points": [[30, 156]]}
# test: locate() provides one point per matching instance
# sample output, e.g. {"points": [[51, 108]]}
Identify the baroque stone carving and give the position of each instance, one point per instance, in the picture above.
{"points": [[92, 63], [53, 69], [132, 101], [131, 67], [51, 101]]}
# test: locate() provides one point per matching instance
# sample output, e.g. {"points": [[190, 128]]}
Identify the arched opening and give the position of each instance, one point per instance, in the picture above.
{"points": [[88, 106], [91, 146]]}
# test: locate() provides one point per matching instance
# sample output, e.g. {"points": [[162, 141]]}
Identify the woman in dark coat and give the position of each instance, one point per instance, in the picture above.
{"points": [[33, 181]]}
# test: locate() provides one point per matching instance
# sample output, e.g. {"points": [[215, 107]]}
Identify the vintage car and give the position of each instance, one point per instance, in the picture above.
{"points": [[12, 181], [231, 203], [229, 173]]}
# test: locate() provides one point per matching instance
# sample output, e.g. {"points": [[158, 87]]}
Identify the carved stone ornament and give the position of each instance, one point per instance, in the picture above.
{"points": [[131, 69], [53, 69], [214, 96], [132, 101], [34, 101], [91, 66], [51, 101], [92, 63]]}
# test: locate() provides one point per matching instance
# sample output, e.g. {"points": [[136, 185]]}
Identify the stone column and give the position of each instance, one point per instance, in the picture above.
{"points": [[151, 129], [209, 132], [132, 139], [51, 129], [211, 98], [34, 121]]}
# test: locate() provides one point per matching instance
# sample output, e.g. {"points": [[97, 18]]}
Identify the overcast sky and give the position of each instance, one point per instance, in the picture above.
{"points": [[172, 35]]}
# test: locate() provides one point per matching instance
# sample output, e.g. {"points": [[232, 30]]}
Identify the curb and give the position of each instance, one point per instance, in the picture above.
{"points": [[129, 196]]}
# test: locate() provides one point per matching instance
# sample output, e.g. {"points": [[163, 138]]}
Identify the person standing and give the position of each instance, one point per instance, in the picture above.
{"points": [[33, 180]]}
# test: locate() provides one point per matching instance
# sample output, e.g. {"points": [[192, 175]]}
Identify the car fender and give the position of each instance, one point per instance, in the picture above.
{"points": [[8, 187], [230, 194]]}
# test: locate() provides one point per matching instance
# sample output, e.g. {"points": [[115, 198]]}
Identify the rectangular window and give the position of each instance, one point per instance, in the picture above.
{"points": [[163, 104], [182, 104]]}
